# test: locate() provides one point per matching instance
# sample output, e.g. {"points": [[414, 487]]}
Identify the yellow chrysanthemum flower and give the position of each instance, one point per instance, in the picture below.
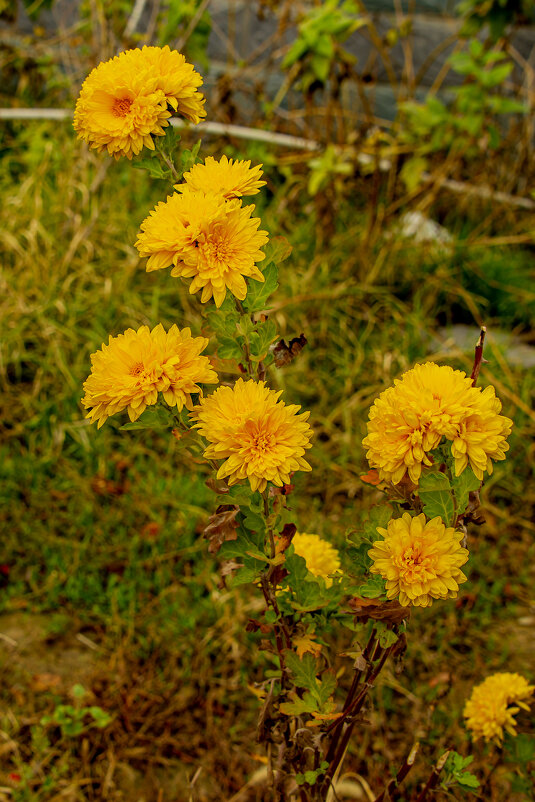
{"points": [[125, 101], [492, 705], [429, 403], [207, 238], [321, 557], [134, 367], [226, 177], [419, 559], [260, 438]]}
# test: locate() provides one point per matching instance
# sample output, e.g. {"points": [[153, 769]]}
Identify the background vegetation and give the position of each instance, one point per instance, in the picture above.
{"points": [[124, 659]]}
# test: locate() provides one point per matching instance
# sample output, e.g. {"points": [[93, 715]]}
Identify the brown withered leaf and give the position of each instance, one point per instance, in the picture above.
{"points": [[219, 486], [365, 609], [285, 538], [222, 526], [284, 354]]}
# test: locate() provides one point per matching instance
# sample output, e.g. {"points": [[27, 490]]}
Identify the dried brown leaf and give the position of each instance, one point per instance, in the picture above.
{"points": [[391, 611], [222, 526], [283, 354]]}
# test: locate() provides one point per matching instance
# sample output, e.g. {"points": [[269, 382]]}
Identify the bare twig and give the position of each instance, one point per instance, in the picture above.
{"points": [[400, 776], [134, 18], [433, 777]]}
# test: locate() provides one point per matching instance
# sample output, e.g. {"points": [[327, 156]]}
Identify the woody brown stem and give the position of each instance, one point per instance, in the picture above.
{"points": [[390, 791], [433, 777]]}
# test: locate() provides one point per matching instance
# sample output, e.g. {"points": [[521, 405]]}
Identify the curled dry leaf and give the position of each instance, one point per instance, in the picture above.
{"points": [[283, 354], [391, 611], [219, 486], [285, 538], [222, 526]]}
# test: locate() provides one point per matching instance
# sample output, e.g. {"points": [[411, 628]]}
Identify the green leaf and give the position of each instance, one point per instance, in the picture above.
{"points": [[435, 493], [467, 779], [298, 706], [258, 292], [304, 669], [228, 348], [243, 576], [152, 166], [152, 418], [412, 171], [378, 516], [464, 484], [373, 588], [261, 339], [223, 322]]}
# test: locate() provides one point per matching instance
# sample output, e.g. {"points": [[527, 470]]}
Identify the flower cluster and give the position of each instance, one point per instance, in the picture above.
{"points": [[419, 559], [260, 438], [126, 101], [321, 558], [429, 403], [493, 704], [134, 367]]}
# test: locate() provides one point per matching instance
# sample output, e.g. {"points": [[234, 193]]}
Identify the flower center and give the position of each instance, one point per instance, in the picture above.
{"points": [[121, 106], [136, 369], [263, 442]]}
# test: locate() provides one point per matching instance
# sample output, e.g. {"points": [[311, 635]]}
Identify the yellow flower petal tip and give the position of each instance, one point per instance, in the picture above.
{"points": [[260, 438], [429, 403], [225, 177], [419, 559], [493, 704], [126, 101], [133, 369]]}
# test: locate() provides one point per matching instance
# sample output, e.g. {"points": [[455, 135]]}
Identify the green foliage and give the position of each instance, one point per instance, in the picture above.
{"points": [[436, 494], [456, 774], [317, 698], [459, 126], [320, 34], [497, 14], [462, 485], [74, 721], [312, 776]]}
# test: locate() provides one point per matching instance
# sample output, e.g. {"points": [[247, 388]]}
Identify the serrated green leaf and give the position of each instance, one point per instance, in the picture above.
{"points": [[152, 418], [265, 334], [436, 496], [298, 706], [464, 484], [243, 576], [467, 779], [152, 166], [378, 516], [304, 669], [228, 348], [258, 292], [223, 322], [373, 588]]}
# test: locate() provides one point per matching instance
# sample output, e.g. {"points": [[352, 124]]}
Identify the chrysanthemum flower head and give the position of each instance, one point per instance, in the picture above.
{"points": [[493, 704], [130, 371], [429, 403], [226, 177], [211, 240], [125, 101], [261, 438], [419, 559], [321, 558]]}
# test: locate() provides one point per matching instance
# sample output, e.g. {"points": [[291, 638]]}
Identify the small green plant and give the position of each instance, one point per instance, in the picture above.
{"points": [[74, 720], [318, 45]]}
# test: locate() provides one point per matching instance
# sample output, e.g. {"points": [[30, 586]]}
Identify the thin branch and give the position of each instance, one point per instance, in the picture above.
{"points": [[400, 776], [433, 777]]}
